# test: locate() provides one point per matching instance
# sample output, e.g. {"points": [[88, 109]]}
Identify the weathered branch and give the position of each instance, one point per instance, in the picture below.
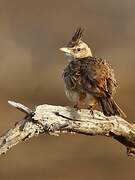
{"points": [[54, 120]]}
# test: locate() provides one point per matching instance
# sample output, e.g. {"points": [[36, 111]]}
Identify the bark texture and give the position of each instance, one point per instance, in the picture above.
{"points": [[54, 120]]}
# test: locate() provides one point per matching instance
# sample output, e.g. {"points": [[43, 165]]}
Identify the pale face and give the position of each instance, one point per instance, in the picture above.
{"points": [[81, 50]]}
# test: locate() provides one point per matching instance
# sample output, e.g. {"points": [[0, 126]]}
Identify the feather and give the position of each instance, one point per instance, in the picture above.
{"points": [[76, 37]]}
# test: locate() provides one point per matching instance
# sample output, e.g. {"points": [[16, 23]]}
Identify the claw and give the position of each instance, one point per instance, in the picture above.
{"points": [[91, 111], [77, 108]]}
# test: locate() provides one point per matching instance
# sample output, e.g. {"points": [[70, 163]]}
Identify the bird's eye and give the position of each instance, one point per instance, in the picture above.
{"points": [[78, 49]]}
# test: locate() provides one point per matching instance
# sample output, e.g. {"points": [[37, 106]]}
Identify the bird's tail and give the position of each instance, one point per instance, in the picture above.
{"points": [[110, 108]]}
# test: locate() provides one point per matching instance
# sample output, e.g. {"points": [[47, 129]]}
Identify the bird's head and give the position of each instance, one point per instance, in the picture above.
{"points": [[76, 48]]}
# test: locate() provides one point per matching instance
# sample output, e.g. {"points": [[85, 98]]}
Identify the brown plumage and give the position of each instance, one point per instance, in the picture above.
{"points": [[89, 80]]}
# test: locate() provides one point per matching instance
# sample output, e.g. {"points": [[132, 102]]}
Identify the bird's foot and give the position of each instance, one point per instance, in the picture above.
{"points": [[77, 107], [91, 112]]}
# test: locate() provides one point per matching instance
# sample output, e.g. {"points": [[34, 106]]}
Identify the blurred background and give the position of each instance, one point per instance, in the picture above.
{"points": [[31, 33]]}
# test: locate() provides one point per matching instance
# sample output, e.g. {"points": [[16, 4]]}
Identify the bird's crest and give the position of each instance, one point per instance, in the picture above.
{"points": [[76, 37]]}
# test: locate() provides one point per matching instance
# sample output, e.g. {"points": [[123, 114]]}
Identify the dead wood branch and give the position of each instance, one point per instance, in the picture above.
{"points": [[54, 120]]}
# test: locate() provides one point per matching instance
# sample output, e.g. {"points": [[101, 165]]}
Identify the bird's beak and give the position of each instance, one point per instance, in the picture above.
{"points": [[65, 49]]}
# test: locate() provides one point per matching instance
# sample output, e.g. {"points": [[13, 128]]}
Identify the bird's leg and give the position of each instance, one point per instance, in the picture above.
{"points": [[91, 111], [80, 102], [77, 106]]}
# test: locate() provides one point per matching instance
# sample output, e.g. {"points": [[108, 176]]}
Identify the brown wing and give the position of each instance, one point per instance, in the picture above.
{"points": [[72, 76], [98, 77]]}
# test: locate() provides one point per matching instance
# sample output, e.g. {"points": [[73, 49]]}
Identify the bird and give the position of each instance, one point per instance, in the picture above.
{"points": [[89, 81]]}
